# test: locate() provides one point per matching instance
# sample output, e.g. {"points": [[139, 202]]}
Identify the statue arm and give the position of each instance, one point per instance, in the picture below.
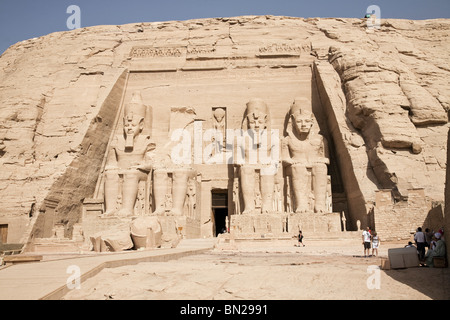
{"points": [[238, 151], [326, 150], [285, 155], [111, 160], [325, 155], [147, 163]]}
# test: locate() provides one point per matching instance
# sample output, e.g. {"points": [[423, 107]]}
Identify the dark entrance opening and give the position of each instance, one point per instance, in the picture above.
{"points": [[219, 210], [220, 216]]}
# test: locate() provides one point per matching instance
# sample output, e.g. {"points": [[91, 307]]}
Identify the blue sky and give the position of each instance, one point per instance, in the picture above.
{"points": [[25, 19]]}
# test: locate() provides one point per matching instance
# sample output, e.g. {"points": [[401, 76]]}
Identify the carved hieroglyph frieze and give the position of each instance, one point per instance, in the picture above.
{"points": [[280, 48], [152, 52], [160, 52], [167, 52], [200, 50]]}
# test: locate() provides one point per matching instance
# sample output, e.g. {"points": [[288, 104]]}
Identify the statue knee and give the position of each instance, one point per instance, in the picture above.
{"points": [[111, 174], [298, 170], [160, 175], [320, 168], [180, 176], [246, 170], [132, 175]]}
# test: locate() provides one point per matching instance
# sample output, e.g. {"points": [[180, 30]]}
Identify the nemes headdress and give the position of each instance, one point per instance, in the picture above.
{"points": [[256, 105], [300, 105], [135, 106]]}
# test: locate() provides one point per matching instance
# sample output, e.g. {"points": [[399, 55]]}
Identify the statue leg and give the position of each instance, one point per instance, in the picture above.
{"points": [[111, 191], [129, 192], [320, 180], [95, 243], [248, 188], [179, 190], [159, 190], [300, 188], [267, 189]]}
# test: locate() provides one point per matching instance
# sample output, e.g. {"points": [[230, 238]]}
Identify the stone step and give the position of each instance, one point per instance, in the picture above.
{"points": [[322, 236], [21, 258]]}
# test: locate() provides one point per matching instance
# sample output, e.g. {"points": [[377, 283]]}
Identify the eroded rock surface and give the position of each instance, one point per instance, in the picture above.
{"points": [[394, 89]]}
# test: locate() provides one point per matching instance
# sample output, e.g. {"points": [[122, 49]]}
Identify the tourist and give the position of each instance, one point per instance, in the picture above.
{"points": [[419, 238], [300, 239], [433, 243], [366, 242], [375, 244], [410, 245], [428, 237], [438, 251], [441, 232]]}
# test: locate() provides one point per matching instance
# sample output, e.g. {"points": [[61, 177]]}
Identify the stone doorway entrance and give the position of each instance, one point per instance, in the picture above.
{"points": [[219, 209]]}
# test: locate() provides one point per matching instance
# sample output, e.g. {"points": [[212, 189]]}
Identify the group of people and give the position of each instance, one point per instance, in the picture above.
{"points": [[435, 243], [371, 240]]}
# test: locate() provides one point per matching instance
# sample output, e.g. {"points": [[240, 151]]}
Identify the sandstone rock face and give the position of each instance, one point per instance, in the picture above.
{"points": [[388, 90], [447, 195]]}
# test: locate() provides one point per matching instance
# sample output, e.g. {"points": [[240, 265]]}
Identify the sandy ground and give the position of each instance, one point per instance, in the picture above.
{"points": [[325, 270]]}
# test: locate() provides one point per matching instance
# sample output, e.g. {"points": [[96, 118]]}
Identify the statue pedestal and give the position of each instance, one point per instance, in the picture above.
{"points": [[173, 226], [258, 225], [283, 225], [185, 227], [311, 222]]}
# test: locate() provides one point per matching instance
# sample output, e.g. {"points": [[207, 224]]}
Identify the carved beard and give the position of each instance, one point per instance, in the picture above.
{"points": [[129, 142], [131, 134]]}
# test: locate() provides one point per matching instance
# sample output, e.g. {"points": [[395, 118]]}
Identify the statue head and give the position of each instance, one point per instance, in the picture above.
{"points": [[134, 114], [133, 119], [133, 124], [219, 113], [302, 119], [257, 115]]}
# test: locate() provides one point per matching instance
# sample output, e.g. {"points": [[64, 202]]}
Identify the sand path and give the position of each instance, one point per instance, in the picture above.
{"points": [[270, 271]]}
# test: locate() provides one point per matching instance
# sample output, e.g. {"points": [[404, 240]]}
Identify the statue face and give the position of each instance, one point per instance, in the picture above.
{"points": [[257, 121], [302, 122], [219, 114], [132, 125]]}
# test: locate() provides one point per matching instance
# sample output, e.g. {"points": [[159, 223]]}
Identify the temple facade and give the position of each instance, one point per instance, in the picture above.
{"points": [[251, 127]]}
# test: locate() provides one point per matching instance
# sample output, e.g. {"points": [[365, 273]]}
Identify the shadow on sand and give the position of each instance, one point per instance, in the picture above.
{"points": [[433, 282]]}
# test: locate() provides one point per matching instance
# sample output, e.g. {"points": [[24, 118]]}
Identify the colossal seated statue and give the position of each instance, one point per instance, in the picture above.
{"points": [[172, 170], [305, 157], [129, 160], [257, 154]]}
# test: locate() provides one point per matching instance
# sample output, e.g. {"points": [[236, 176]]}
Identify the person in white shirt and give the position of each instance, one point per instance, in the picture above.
{"points": [[420, 240], [366, 242], [375, 244]]}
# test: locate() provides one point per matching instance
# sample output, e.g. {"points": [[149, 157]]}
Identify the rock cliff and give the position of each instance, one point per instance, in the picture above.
{"points": [[392, 85]]}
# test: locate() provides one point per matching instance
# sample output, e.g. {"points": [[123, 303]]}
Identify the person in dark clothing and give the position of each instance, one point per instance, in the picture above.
{"points": [[420, 240], [300, 238]]}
